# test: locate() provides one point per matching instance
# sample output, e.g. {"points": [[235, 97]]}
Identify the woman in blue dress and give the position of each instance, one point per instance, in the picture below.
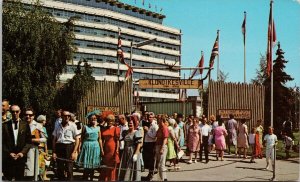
{"points": [[91, 148]]}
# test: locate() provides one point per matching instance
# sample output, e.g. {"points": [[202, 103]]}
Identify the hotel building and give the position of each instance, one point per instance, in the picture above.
{"points": [[96, 37]]}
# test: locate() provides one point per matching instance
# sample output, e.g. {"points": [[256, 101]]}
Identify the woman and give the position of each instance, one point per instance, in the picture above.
{"points": [[90, 155], [194, 139], [180, 124], [259, 132], [219, 134], [161, 147], [211, 140], [131, 157], [242, 140], [43, 150], [172, 143], [110, 138]]}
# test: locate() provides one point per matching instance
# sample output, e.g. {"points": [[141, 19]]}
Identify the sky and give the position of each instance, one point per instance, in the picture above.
{"points": [[199, 21]]}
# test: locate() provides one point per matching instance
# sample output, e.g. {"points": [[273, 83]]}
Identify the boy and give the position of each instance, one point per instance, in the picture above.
{"points": [[269, 141]]}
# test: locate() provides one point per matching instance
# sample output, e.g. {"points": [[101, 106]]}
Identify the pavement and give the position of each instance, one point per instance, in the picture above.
{"points": [[231, 169]]}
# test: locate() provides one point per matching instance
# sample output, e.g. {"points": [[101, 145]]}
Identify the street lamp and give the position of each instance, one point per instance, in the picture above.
{"points": [[137, 45]]}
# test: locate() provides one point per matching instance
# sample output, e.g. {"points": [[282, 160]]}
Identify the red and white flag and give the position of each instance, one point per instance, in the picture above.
{"points": [[271, 42], [183, 95], [200, 67], [120, 54], [129, 72], [214, 52]]}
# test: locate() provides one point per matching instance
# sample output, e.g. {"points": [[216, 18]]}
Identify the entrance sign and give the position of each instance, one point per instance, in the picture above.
{"points": [[114, 109], [237, 113], [171, 83]]}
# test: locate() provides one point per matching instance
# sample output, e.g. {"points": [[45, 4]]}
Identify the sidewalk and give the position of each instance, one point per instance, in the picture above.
{"points": [[231, 169]]}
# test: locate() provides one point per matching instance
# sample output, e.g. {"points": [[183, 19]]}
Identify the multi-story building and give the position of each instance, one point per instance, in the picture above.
{"points": [[96, 35]]}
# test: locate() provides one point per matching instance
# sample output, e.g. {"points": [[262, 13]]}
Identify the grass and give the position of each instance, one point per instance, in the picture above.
{"points": [[280, 153]]}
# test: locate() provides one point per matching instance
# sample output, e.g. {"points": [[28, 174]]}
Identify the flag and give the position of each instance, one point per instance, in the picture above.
{"points": [[271, 41], [143, 2], [120, 54], [200, 66], [183, 95], [149, 5], [161, 9], [244, 28], [129, 72], [214, 52]]}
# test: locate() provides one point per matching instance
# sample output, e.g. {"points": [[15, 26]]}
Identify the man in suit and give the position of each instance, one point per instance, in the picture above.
{"points": [[16, 141]]}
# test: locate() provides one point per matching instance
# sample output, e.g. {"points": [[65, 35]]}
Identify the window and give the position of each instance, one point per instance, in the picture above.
{"points": [[111, 72]]}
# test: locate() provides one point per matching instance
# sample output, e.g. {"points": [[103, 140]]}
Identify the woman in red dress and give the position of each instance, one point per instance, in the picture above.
{"points": [[110, 138]]}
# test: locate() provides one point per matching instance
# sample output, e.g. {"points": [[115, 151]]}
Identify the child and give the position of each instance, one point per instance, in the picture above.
{"points": [[288, 142], [252, 143], [270, 140]]}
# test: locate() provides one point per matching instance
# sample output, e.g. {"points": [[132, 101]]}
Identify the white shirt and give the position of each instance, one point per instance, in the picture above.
{"points": [[151, 133], [205, 130], [288, 141], [270, 140], [252, 138], [16, 131], [232, 124], [122, 129], [67, 134]]}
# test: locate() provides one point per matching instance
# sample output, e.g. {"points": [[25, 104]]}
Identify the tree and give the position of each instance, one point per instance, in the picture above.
{"points": [[283, 99], [76, 88], [35, 50], [261, 75]]}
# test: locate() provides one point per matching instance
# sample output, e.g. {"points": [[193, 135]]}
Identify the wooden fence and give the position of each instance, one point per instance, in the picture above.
{"points": [[238, 96], [107, 94]]}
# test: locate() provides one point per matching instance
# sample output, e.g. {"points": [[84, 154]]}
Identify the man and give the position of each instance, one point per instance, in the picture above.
{"points": [[205, 130], [150, 128], [123, 126], [65, 145], [232, 135], [36, 138], [16, 141], [6, 115], [58, 118]]}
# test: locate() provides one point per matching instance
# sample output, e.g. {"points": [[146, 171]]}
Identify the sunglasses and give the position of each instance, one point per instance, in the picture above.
{"points": [[15, 111], [66, 115], [28, 114]]}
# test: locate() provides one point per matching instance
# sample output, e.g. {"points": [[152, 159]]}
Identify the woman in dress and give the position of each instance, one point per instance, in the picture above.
{"points": [[242, 140], [194, 139], [131, 157], [180, 124], [172, 143], [110, 138], [219, 134], [90, 155], [259, 132]]}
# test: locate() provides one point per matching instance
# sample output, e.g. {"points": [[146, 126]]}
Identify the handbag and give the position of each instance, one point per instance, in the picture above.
{"points": [[180, 154]]}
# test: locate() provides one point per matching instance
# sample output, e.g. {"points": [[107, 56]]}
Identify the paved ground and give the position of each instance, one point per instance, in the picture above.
{"points": [[231, 169]]}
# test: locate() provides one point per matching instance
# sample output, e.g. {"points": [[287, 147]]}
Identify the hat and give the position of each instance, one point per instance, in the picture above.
{"points": [[95, 112], [41, 118]]}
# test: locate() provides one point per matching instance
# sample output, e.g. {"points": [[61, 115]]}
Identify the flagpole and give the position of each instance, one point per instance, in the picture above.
{"points": [[272, 72], [245, 48], [218, 66]]}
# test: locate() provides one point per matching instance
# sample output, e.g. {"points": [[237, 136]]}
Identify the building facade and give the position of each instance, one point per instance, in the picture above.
{"points": [[96, 37]]}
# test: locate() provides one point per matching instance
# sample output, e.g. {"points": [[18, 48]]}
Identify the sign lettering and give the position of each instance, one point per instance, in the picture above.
{"points": [[114, 109], [171, 83], [237, 113]]}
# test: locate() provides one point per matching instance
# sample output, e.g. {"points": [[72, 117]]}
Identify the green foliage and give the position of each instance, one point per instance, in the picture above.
{"points": [[283, 99], [261, 75], [35, 50], [76, 88]]}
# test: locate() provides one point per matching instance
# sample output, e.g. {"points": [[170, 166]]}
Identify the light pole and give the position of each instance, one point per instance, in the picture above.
{"points": [[137, 45]]}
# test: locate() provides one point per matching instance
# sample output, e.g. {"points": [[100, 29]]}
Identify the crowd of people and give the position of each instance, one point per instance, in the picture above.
{"points": [[121, 147]]}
